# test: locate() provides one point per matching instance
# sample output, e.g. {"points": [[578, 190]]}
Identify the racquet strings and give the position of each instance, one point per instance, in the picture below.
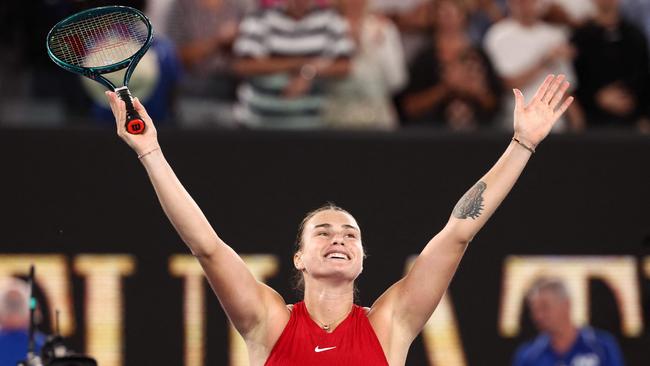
{"points": [[99, 41]]}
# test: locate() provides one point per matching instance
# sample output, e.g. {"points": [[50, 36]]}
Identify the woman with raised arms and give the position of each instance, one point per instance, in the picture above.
{"points": [[327, 328]]}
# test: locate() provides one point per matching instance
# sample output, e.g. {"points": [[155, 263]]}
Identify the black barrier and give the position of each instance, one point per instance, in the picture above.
{"points": [[581, 210]]}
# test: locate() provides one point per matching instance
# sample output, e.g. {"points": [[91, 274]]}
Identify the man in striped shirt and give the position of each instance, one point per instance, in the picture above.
{"points": [[286, 53]]}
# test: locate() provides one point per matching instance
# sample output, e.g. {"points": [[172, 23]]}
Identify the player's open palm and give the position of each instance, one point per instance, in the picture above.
{"points": [[534, 121], [141, 143]]}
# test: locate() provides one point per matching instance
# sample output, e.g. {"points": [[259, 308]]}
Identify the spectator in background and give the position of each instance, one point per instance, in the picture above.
{"points": [[204, 32], [561, 342], [158, 14], [364, 99], [14, 322], [285, 53], [482, 15], [524, 49], [416, 18], [412, 18], [452, 82], [612, 67], [570, 13], [638, 12]]}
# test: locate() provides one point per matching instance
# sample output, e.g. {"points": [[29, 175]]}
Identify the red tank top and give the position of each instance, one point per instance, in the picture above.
{"points": [[303, 342]]}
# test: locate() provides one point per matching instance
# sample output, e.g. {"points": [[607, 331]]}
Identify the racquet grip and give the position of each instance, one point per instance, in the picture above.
{"points": [[134, 124]]}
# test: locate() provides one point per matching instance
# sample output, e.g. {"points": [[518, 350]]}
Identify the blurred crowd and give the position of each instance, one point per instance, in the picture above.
{"points": [[344, 64]]}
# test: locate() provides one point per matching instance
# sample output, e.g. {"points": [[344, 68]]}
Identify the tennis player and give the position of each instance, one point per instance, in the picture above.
{"points": [[327, 328]]}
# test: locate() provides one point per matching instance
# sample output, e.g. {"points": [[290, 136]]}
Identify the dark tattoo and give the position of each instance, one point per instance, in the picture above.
{"points": [[471, 204]]}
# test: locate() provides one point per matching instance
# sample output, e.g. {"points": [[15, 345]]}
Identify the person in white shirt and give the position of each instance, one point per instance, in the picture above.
{"points": [[571, 13], [524, 49]]}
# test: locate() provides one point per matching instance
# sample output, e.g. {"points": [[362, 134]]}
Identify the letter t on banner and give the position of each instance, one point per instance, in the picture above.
{"points": [[188, 267], [104, 304]]}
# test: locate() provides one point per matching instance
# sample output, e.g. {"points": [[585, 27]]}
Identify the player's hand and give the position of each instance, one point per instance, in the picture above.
{"points": [[142, 143], [534, 121]]}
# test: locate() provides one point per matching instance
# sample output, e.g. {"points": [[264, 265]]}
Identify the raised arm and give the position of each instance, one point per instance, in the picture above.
{"points": [[247, 67], [410, 302], [248, 303]]}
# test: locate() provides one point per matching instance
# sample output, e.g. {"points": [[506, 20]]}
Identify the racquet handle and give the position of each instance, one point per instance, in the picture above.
{"points": [[134, 124]]}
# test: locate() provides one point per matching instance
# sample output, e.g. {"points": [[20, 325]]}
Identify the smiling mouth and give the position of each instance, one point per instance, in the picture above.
{"points": [[339, 256]]}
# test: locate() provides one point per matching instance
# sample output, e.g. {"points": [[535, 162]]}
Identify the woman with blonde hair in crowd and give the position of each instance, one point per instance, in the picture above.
{"points": [[365, 98]]}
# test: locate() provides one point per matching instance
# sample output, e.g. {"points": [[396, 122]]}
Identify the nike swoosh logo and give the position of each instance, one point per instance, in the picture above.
{"points": [[318, 349]]}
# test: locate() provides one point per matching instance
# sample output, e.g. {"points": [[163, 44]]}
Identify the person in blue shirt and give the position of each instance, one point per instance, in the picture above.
{"points": [[14, 322], [562, 343]]}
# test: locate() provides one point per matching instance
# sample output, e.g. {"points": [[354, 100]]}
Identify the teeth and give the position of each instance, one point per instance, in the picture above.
{"points": [[337, 256]]}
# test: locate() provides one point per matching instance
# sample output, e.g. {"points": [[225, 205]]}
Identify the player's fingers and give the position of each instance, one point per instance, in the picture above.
{"points": [[563, 107], [117, 107], [119, 111], [110, 96], [519, 99], [120, 119], [541, 91], [559, 95], [140, 108], [552, 90]]}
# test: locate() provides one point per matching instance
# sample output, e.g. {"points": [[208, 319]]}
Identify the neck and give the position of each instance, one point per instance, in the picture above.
{"points": [[562, 339], [526, 21], [449, 34], [297, 12], [328, 304], [608, 18]]}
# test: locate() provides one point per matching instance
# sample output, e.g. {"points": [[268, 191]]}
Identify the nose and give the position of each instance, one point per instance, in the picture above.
{"points": [[338, 239]]}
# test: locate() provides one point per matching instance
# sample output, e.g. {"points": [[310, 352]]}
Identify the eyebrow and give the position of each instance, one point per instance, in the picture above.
{"points": [[328, 226]]}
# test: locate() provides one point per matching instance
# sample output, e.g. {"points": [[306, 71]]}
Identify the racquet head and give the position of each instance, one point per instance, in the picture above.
{"points": [[100, 40], [103, 40]]}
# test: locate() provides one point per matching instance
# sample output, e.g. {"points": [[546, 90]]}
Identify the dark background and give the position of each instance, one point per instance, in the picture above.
{"points": [[80, 191]]}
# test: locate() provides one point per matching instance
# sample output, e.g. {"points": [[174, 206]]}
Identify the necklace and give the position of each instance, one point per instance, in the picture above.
{"points": [[328, 327]]}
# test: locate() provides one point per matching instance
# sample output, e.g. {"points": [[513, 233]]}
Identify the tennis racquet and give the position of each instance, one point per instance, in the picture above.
{"points": [[103, 40]]}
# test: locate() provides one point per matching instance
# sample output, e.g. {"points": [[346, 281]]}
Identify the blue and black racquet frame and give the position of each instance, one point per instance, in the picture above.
{"points": [[103, 40]]}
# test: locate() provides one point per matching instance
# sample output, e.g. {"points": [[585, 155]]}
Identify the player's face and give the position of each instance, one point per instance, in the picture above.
{"points": [[549, 311], [331, 247]]}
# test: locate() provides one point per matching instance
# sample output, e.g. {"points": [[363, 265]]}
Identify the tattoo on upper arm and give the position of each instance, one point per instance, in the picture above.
{"points": [[471, 204]]}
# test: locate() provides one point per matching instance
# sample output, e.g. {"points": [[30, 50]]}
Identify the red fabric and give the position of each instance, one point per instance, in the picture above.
{"points": [[355, 342]]}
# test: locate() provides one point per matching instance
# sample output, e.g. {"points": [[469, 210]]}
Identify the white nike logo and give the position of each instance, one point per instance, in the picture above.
{"points": [[318, 349]]}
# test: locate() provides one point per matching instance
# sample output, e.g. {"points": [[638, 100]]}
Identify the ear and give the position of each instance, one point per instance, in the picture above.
{"points": [[297, 261]]}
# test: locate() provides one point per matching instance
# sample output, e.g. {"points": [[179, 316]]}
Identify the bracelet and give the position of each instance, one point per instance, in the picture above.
{"points": [[531, 149], [148, 152]]}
